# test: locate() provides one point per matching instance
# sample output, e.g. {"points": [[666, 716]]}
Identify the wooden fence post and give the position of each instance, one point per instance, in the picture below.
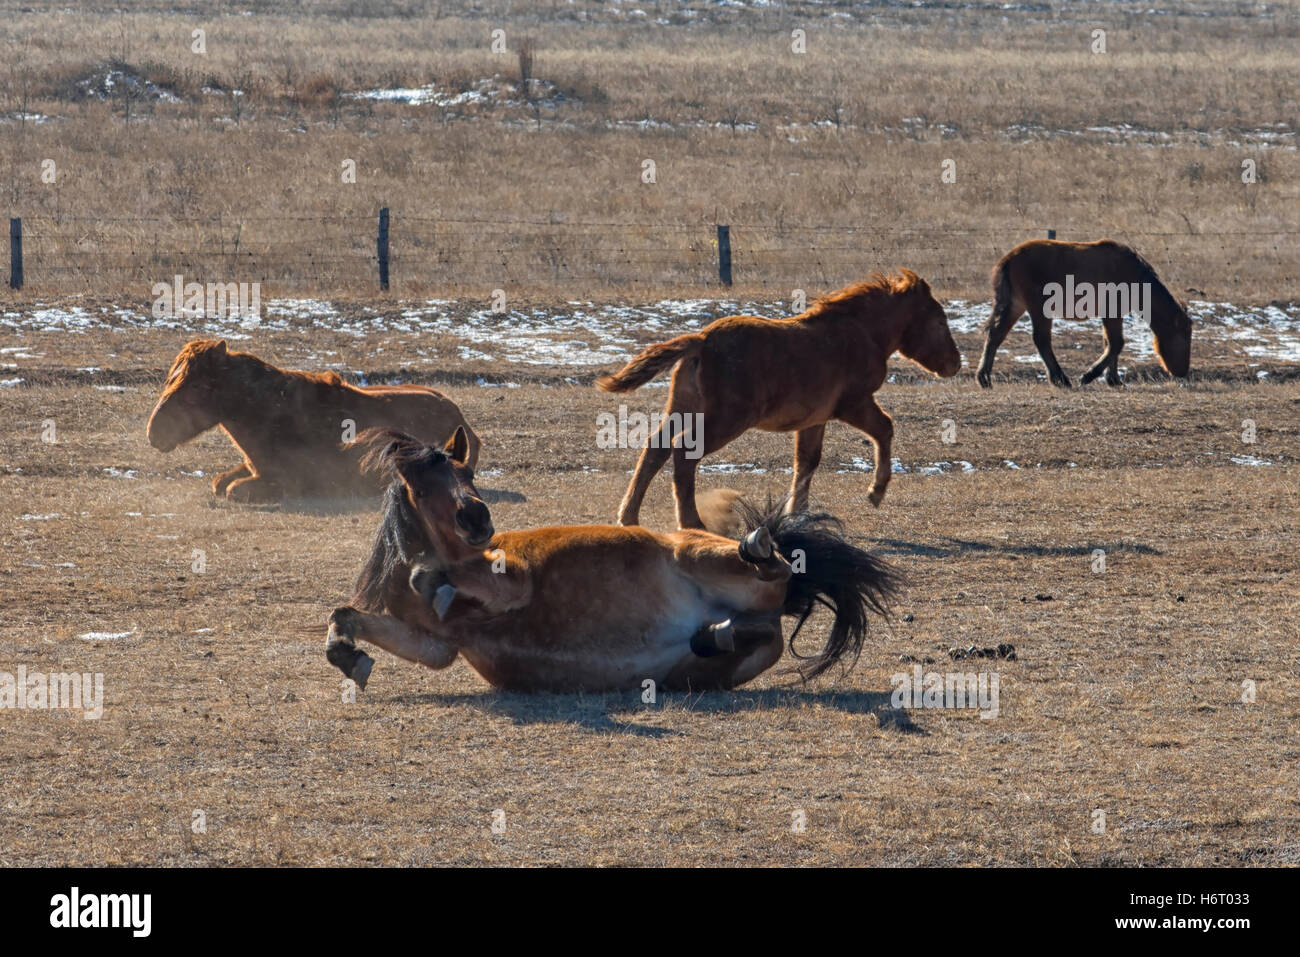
{"points": [[724, 254], [16, 253], [1051, 234], [383, 249]]}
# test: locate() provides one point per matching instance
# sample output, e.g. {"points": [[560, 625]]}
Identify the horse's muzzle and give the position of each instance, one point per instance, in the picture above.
{"points": [[159, 443], [474, 523]]}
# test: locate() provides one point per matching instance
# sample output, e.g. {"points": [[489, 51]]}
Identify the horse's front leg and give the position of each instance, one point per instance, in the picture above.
{"points": [[254, 490], [807, 456], [348, 625], [222, 481], [497, 583]]}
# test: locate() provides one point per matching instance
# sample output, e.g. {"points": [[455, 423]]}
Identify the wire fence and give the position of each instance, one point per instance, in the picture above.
{"points": [[424, 253]]}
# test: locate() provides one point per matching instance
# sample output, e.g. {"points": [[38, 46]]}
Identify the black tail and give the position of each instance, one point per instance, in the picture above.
{"points": [[830, 571]]}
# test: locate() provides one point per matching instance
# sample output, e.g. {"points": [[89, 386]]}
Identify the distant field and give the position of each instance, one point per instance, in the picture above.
{"points": [[229, 164]]}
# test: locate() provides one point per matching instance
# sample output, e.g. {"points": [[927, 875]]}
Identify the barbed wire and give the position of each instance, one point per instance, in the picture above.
{"points": [[428, 248]]}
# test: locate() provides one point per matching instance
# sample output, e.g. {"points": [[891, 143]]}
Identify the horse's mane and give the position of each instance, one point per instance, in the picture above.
{"points": [[1147, 273], [854, 297], [200, 347], [397, 542], [400, 537], [396, 452]]}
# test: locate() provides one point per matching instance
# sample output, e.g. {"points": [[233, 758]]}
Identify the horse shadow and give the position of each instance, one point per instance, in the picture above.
{"points": [[617, 712], [348, 504], [494, 495], [956, 547]]}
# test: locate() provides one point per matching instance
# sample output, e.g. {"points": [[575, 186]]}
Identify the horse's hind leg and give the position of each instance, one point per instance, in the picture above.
{"points": [[871, 419], [682, 400], [348, 625], [750, 575], [1043, 342], [1109, 361], [721, 430], [807, 456], [999, 324], [651, 460]]}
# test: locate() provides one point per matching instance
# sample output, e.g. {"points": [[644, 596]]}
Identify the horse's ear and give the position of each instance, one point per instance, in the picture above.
{"points": [[220, 348], [457, 447]]}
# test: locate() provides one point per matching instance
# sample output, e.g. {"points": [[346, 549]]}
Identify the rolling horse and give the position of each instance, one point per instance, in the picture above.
{"points": [[589, 608], [1110, 275], [289, 426], [787, 375]]}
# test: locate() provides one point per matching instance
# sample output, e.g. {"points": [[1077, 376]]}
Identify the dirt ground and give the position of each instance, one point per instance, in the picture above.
{"points": [[1127, 693]]}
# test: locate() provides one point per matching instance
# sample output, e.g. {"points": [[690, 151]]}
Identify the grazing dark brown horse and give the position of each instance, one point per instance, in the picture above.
{"points": [[289, 426], [1104, 278], [787, 375], [594, 607]]}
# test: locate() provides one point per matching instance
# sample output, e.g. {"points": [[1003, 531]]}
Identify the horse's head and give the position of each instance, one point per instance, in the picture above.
{"points": [[1172, 329], [926, 338], [188, 404], [439, 486]]}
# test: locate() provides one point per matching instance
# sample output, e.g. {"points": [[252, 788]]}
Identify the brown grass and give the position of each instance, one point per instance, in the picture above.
{"points": [[1125, 695], [827, 164]]}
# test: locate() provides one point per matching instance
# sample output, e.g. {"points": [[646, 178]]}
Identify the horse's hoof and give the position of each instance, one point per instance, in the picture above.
{"points": [[443, 598], [361, 669], [714, 640], [757, 546], [984, 380], [342, 655], [875, 498], [425, 579]]}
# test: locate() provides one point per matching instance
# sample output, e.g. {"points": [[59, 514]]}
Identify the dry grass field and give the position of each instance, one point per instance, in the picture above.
{"points": [[1160, 689], [1126, 693]]}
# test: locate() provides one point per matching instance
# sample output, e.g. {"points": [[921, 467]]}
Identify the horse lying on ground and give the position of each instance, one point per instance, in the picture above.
{"points": [[289, 426], [1108, 272], [589, 608], [786, 375]]}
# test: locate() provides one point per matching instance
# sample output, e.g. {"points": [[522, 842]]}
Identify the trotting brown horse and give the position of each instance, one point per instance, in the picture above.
{"points": [[588, 608], [787, 375], [289, 426], [1104, 279]]}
